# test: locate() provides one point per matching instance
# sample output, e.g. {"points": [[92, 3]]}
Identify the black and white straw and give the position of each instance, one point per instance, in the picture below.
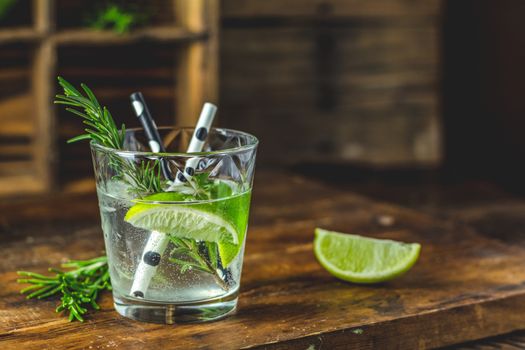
{"points": [[150, 128], [157, 241], [197, 143]]}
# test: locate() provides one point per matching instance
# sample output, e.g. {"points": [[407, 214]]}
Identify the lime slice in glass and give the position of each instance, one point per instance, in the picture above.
{"points": [[182, 221], [360, 259], [223, 221]]}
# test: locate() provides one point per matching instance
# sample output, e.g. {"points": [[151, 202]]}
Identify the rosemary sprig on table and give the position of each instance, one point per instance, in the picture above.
{"points": [[78, 287]]}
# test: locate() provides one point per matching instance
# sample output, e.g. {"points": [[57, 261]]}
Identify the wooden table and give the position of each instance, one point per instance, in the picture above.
{"points": [[465, 286]]}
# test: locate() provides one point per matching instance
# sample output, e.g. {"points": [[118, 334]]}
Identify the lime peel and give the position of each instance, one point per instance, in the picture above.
{"points": [[361, 259]]}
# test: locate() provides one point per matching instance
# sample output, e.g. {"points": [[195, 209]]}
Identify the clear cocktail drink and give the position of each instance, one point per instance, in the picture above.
{"points": [[201, 222]]}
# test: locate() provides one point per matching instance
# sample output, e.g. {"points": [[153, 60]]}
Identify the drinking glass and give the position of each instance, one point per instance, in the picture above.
{"points": [[175, 247]]}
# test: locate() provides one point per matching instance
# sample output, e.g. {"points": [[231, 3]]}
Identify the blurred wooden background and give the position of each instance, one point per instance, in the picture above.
{"points": [[383, 84], [339, 80]]}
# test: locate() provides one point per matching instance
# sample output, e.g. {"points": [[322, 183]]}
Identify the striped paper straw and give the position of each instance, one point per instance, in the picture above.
{"points": [[150, 128], [157, 241]]}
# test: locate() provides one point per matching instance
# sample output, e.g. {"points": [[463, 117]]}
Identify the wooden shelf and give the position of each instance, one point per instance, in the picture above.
{"points": [[30, 156], [104, 37], [17, 35]]}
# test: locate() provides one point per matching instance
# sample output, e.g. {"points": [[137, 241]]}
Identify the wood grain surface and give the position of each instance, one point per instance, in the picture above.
{"points": [[464, 287]]}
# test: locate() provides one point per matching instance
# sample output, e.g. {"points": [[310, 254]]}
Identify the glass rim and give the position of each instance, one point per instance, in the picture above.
{"points": [[226, 151]]}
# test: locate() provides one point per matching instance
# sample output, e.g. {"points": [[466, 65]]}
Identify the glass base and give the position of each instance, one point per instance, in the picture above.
{"points": [[170, 313]]}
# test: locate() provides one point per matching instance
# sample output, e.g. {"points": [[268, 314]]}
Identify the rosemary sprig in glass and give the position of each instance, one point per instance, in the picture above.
{"points": [[143, 179], [101, 128], [201, 256], [100, 124]]}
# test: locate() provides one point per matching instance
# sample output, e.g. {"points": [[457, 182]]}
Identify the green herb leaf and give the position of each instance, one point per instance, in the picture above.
{"points": [[77, 287], [143, 178], [88, 108]]}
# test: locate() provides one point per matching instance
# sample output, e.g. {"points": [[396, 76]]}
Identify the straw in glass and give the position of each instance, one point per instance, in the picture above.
{"points": [[157, 242]]}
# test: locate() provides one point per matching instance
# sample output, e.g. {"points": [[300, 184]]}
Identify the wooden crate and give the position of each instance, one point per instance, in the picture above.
{"points": [[173, 60]]}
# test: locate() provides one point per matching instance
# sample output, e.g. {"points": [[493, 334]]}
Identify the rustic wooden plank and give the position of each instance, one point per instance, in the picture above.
{"points": [[211, 68], [16, 124], [464, 286], [106, 37], [13, 168], [159, 72], [8, 36], [16, 149], [43, 15], [512, 341], [190, 80], [15, 116], [21, 184], [197, 66], [373, 87], [14, 73], [367, 71], [43, 82], [492, 210], [334, 8]]}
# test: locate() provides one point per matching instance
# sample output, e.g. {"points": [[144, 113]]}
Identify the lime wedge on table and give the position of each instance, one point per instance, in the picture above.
{"points": [[222, 221], [360, 259]]}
